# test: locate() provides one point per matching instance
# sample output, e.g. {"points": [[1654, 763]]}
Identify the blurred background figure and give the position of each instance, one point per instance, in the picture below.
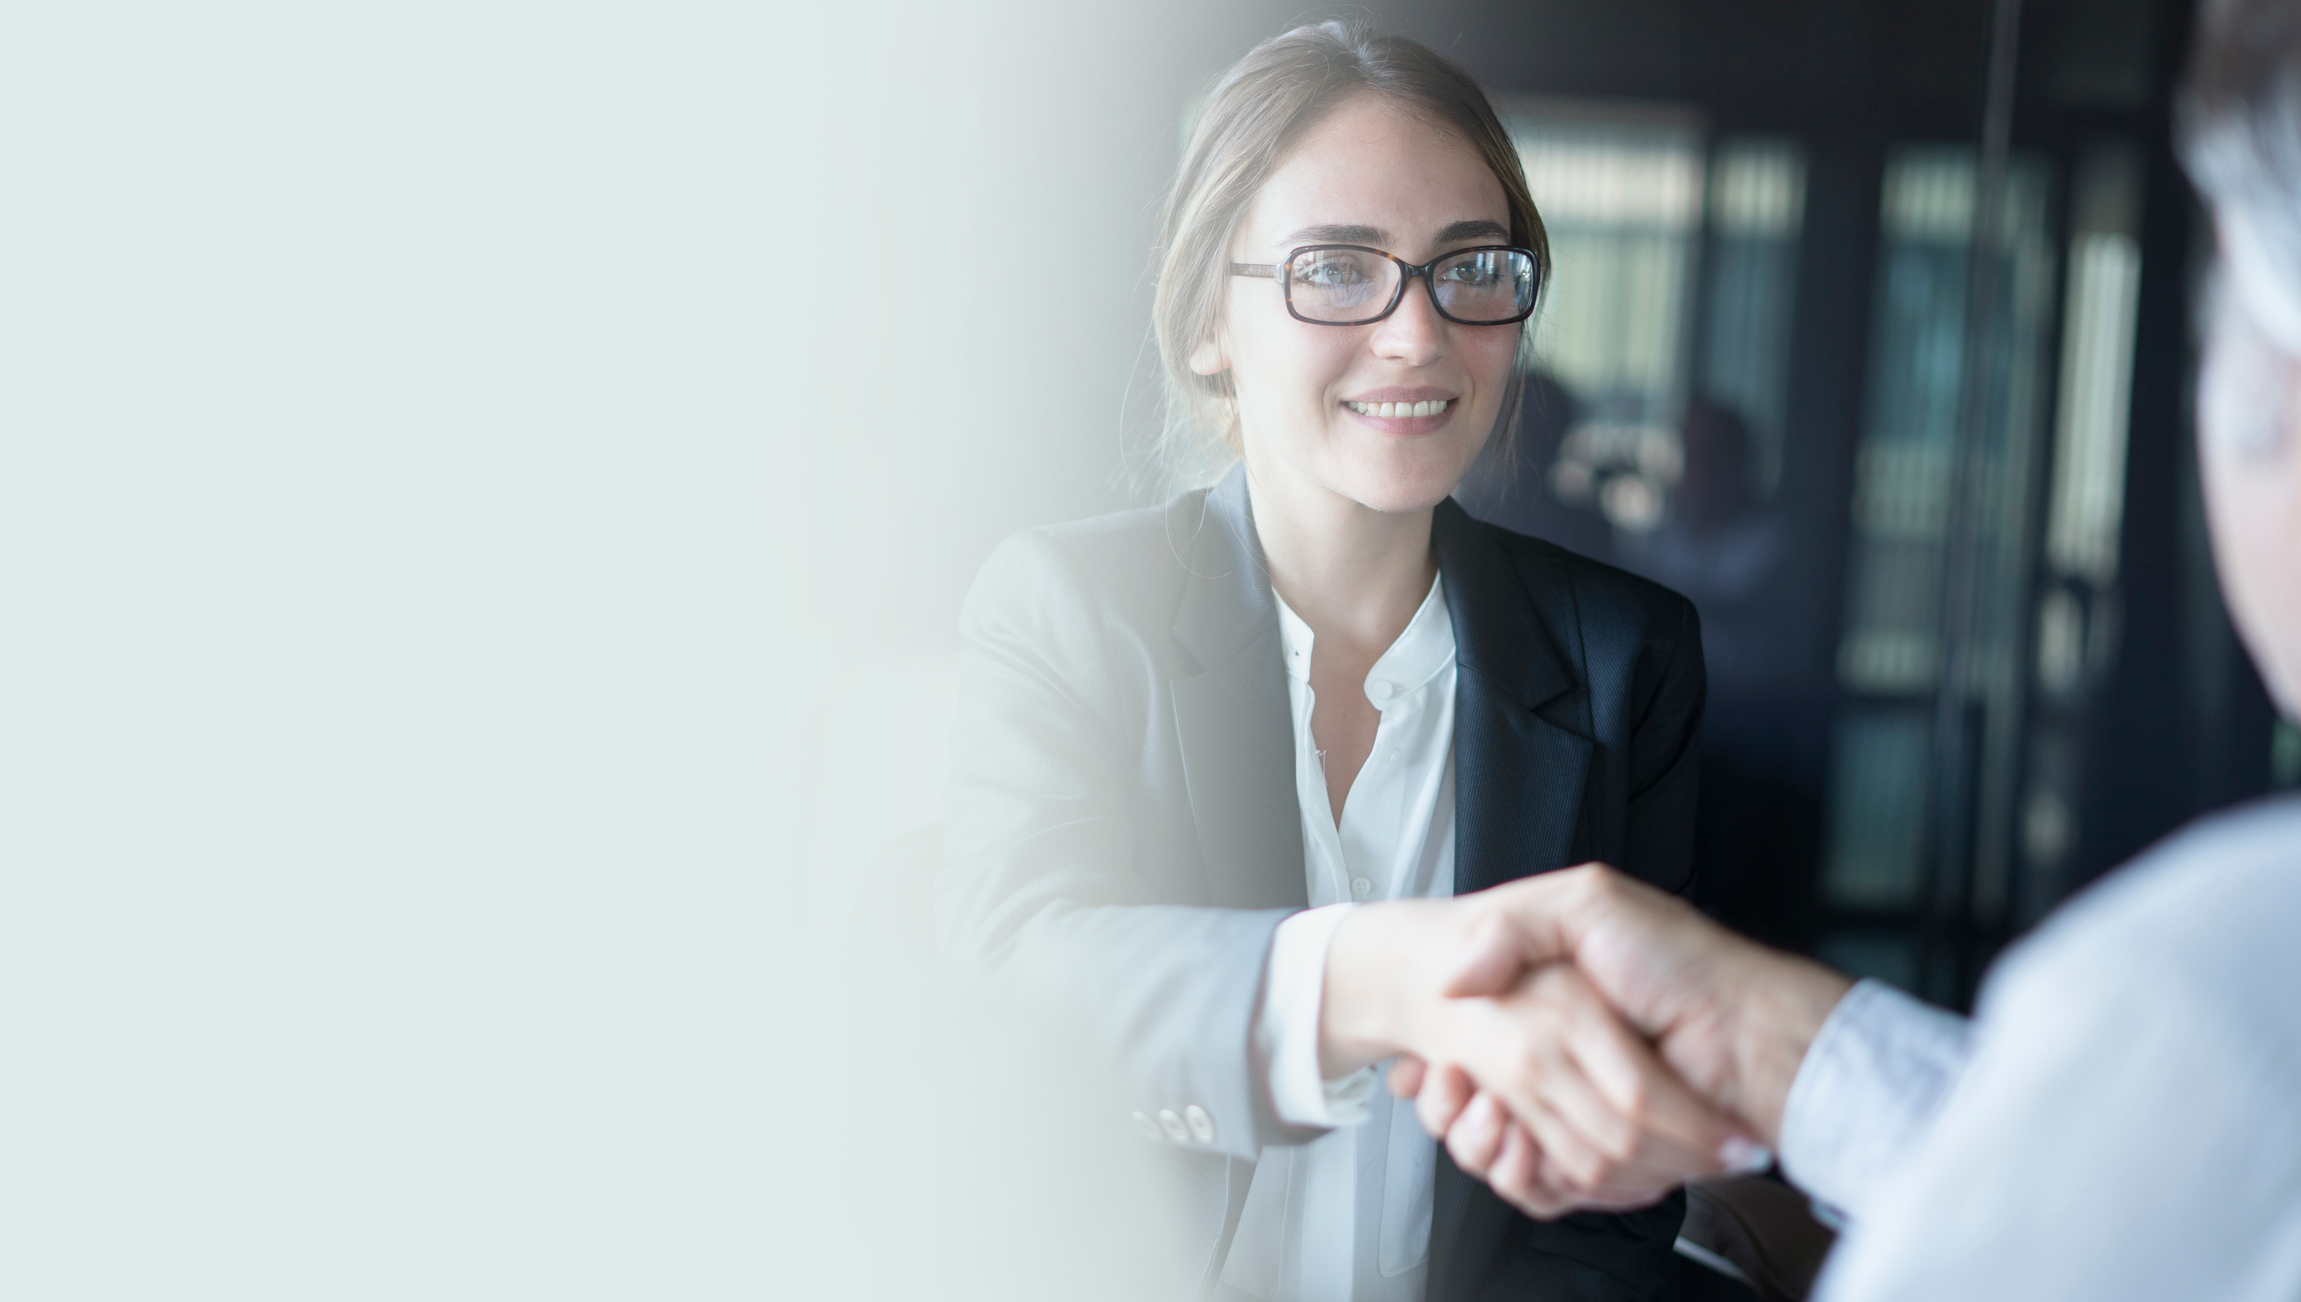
{"points": [[1722, 546], [1512, 483], [1718, 545]]}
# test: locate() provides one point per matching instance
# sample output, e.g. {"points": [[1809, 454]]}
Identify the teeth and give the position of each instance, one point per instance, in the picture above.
{"points": [[1399, 410]]}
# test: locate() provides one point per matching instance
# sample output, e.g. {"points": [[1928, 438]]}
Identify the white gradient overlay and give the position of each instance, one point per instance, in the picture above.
{"points": [[485, 491]]}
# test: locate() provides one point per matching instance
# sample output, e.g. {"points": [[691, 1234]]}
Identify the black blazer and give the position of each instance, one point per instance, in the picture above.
{"points": [[1122, 831]]}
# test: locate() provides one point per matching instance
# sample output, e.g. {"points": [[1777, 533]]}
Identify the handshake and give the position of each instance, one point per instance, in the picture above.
{"points": [[1578, 1040]]}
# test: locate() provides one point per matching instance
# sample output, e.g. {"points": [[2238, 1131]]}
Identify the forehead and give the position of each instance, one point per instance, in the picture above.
{"points": [[1369, 162]]}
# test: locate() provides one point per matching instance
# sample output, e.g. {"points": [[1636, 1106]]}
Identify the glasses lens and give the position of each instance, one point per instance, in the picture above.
{"points": [[1340, 284], [1485, 287]]}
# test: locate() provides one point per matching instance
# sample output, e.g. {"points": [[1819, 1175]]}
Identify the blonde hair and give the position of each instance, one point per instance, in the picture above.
{"points": [[1258, 109]]}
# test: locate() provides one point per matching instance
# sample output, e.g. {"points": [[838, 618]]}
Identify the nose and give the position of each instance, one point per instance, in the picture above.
{"points": [[1414, 334]]}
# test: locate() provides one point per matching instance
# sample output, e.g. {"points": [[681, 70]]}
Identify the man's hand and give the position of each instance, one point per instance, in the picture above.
{"points": [[1730, 1016], [1593, 1116]]}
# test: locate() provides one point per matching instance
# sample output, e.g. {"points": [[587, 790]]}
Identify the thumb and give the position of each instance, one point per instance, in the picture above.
{"points": [[1519, 925], [1490, 964]]}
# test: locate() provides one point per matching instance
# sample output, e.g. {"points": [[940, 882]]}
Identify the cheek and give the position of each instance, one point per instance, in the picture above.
{"points": [[1490, 358], [1501, 349], [1286, 365]]}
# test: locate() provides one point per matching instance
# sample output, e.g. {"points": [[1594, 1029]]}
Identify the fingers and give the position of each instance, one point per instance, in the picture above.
{"points": [[1521, 925], [1534, 920], [1634, 1101], [1517, 1175], [1611, 1121], [1516, 1156], [1581, 1165], [1493, 961], [1406, 1076], [1445, 1092], [1519, 1171], [1475, 1139], [1638, 944], [1519, 1162]]}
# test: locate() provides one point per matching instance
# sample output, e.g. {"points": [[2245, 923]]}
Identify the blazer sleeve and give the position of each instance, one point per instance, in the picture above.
{"points": [[1043, 897], [1665, 753]]}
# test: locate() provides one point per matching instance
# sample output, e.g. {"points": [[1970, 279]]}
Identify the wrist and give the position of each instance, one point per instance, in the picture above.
{"points": [[1778, 1007], [1352, 1024], [1365, 1012]]}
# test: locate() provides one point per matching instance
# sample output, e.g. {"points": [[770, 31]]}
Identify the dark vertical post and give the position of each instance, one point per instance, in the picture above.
{"points": [[1946, 931]]}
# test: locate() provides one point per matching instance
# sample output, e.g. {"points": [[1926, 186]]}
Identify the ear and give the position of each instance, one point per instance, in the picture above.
{"points": [[1208, 358]]}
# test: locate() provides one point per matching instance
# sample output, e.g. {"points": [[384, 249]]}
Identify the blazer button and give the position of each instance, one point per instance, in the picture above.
{"points": [[1201, 1125], [1172, 1124], [1149, 1128]]}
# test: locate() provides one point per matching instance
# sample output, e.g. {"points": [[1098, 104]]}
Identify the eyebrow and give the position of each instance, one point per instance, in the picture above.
{"points": [[1478, 228]]}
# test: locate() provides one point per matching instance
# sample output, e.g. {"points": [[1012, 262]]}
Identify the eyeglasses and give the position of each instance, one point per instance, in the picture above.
{"points": [[1350, 284]]}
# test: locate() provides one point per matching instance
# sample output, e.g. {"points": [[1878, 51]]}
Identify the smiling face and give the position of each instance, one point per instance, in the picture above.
{"points": [[1385, 416]]}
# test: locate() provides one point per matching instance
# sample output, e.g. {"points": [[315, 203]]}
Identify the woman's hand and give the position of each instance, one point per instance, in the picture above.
{"points": [[1574, 1110], [1488, 1143]]}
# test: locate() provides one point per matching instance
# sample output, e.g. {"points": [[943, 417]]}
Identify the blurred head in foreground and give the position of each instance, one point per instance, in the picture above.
{"points": [[2241, 138]]}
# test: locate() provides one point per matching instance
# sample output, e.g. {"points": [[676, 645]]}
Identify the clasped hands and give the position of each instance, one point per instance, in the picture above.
{"points": [[1577, 1039]]}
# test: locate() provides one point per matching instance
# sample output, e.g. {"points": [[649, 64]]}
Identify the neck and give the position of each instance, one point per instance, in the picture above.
{"points": [[1350, 572]]}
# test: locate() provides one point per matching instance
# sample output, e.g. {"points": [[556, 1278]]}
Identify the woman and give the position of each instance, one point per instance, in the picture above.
{"points": [[1320, 683]]}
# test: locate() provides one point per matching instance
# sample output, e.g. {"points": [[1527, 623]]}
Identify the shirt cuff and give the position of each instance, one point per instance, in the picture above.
{"points": [[1866, 1092], [1286, 1027]]}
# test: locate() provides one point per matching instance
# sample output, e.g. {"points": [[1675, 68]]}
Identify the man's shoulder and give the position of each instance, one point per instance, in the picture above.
{"points": [[2230, 881], [2209, 914]]}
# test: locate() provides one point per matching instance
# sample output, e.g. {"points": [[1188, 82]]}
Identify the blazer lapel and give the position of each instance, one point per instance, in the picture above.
{"points": [[1234, 720], [1521, 746], [1521, 757]]}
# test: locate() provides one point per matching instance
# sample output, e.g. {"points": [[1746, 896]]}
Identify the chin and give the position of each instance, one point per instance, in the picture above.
{"points": [[1396, 491]]}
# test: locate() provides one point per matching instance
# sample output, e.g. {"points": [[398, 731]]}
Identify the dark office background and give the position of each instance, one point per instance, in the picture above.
{"points": [[1849, 808]]}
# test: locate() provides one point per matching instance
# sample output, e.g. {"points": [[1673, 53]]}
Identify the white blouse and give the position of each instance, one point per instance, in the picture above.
{"points": [[1347, 1216]]}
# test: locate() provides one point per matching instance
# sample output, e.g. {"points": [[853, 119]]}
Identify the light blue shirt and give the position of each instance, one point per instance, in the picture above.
{"points": [[2122, 1118]]}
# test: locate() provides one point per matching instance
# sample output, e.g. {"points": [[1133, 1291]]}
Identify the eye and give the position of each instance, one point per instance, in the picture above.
{"points": [[1330, 271], [1475, 271]]}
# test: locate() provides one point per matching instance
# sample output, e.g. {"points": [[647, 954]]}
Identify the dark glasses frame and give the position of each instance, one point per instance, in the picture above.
{"points": [[1408, 274]]}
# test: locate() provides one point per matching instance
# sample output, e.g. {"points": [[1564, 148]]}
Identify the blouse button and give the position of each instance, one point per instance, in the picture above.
{"points": [[1361, 888], [1381, 689]]}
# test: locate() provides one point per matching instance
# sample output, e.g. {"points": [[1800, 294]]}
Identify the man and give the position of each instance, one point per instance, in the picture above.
{"points": [[2122, 1118]]}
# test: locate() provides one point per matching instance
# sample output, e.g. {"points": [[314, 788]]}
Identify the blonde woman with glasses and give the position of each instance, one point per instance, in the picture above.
{"points": [[1223, 765]]}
